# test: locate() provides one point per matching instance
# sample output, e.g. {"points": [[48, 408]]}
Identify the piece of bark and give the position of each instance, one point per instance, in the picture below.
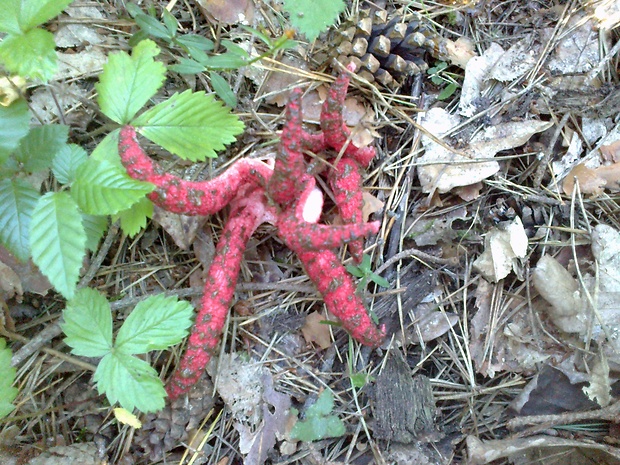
{"points": [[403, 406]]}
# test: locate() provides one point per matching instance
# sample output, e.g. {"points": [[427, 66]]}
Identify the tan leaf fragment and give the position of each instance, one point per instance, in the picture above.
{"points": [[556, 285], [10, 284], [181, 228], [228, 11], [10, 89], [599, 389], [589, 181], [371, 205], [504, 247], [315, 331]]}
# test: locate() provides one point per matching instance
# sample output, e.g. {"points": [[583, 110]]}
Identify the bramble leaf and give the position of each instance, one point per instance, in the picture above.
{"points": [[134, 218], [31, 54], [127, 83], [107, 149], [17, 202], [22, 15], [311, 17], [37, 151], [7, 391], [131, 382], [88, 324], [14, 125], [319, 424], [101, 188], [190, 125], [156, 323], [67, 161], [58, 240], [94, 226]]}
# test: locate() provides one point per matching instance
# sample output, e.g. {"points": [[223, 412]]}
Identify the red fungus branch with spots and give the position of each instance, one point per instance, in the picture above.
{"points": [[285, 196]]}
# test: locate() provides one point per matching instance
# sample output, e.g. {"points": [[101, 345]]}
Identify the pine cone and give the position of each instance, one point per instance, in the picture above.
{"points": [[165, 430], [385, 50]]}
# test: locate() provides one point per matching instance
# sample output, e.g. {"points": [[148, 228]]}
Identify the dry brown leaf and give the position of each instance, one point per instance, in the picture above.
{"points": [[561, 290], [441, 169], [459, 52], [181, 228], [589, 181], [30, 278], [275, 88], [315, 331], [504, 247], [10, 284], [470, 192], [610, 174], [371, 205], [228, 11], [599, 389], [611, 152], [538, 449]]}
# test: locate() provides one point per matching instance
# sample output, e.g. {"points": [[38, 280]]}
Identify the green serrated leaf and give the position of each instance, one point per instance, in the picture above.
{"points": [[17, 202], [9, 19], [101, 188], [37, 151], [94, 226], [131, 382], [127, 83], [58, 240], [7, 391], [319, 424], [191, 125], [323, 405], [152, 27], [31, 54], [29, 13], [223, 90], [88, 324], [156, 323], [14, 125], [107, 150], [134, 219], [67, 161], [311, 17]]}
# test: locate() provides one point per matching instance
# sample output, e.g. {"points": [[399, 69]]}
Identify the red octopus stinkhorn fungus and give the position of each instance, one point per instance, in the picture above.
{"points": [[285, 196]]}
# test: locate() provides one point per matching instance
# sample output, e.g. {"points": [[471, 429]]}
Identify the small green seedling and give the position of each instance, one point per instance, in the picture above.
{"points": [[439, 77], [319, 423], [365, 273], [154, 324], [7, 391]]}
